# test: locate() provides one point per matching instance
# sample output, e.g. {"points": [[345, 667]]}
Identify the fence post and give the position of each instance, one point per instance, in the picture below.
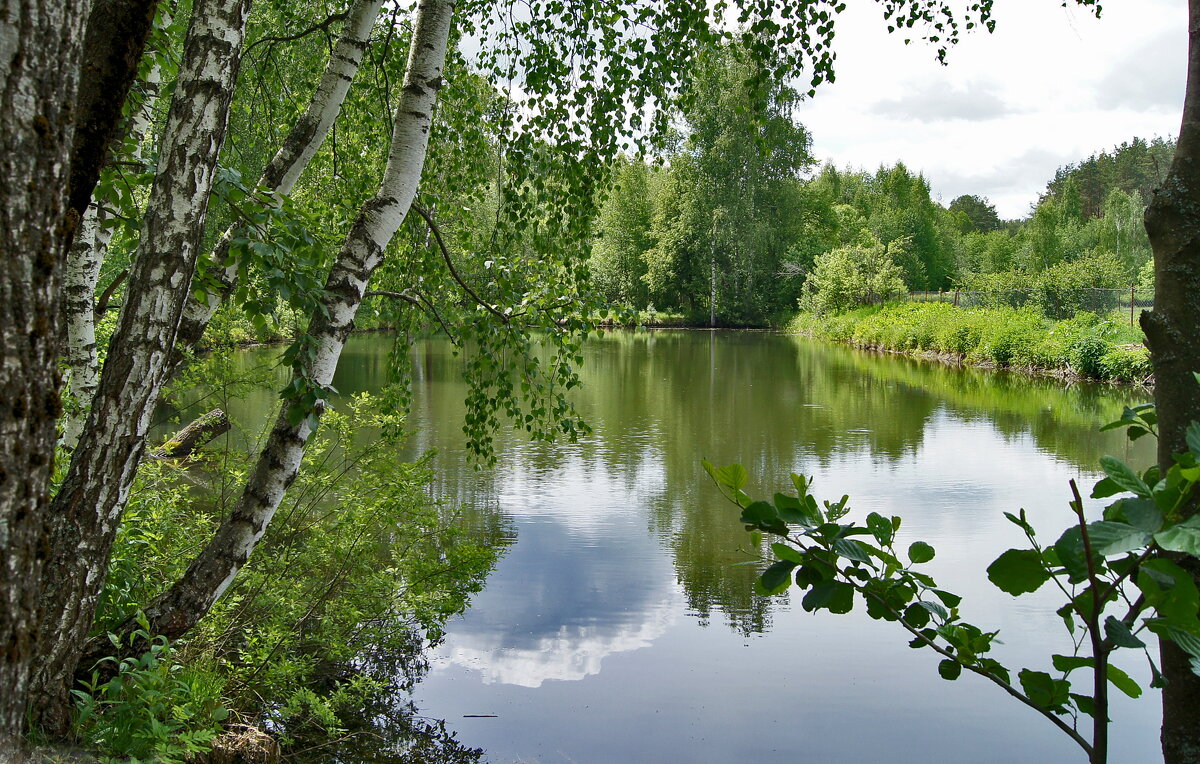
{"points": [[1132, 300], [956, 298]]}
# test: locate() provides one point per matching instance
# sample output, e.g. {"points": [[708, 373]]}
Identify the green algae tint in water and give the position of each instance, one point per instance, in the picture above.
{"points": [[617, 628]]}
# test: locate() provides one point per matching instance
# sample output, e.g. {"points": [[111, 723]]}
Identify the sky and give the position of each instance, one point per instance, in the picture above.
{"points": [[1050, 87]]}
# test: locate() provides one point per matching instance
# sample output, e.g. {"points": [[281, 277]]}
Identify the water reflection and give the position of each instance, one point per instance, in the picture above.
{"points": [[603, 615], [582, 582], [618, 627]]}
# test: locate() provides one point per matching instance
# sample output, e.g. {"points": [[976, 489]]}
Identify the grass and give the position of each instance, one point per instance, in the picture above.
{"points": [[1086, 345]]}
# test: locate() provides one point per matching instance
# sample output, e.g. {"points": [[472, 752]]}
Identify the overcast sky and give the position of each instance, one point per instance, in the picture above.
{"points": [[1051, 86]]}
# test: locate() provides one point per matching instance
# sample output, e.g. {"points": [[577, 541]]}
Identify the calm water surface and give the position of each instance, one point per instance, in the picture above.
{"points": [[617, 627]]}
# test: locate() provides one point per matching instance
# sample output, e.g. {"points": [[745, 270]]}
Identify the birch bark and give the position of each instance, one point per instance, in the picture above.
{"points": [[89, 504], [83, 265], [207, 578], [36, 136], [301, 145]]}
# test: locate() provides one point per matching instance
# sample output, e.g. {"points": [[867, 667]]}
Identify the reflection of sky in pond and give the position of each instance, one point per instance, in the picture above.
{"points": [[582, 581], [617, 628]]}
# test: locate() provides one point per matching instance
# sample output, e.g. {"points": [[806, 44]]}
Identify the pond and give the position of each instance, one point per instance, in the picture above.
{"points": [[618, 626]]}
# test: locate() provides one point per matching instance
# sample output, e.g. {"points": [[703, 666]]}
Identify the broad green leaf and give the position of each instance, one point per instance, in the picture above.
{"points": [[1085, 703], [935, 609], [880, 527], [1141, 514], [851, 550], [1178, 602], [1106, 487], [777, 577], [794, 511], [1188, 642], [950, 669], [1068, 663], [1043, 689], [1110, 538], [1184, 537], [1117, 631], [763, 515], [996, 669], [1122, 475], [920, 552], [1070, 553], [1018, 571], [1123, 682], [835, 596], [916, 616], [733, 476], [1067, 613], [1193, 439], [787, 553], [950, 600]]}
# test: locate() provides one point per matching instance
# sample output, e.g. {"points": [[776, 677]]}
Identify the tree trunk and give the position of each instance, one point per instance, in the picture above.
{"points": [[112, 48], [183, 443], [284, 169], [36, 134], [210, 574], [1173, 336], [84, 261], [88, 506]]}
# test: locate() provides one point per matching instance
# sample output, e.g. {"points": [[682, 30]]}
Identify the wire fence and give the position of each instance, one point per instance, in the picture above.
{"points": [[1056, 302]]}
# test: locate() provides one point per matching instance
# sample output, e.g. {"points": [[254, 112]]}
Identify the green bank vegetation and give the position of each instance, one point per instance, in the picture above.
{"points": [[1084, 345]]}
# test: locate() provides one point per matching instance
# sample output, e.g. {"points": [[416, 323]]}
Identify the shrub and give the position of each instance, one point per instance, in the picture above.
{"points": [[1087, 356], [853, 276], [1128, 363], [1072, 286], [153, 709], [357, 575], [1095, 347]]}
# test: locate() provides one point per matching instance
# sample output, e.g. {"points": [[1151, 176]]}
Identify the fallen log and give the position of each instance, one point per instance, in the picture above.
{"points": [[192, 437]]}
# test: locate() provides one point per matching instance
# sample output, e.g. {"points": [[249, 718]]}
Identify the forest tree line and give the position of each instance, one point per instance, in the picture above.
{"points": [[735, 223]]}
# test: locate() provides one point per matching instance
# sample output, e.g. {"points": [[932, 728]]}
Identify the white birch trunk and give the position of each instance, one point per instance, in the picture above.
{"points": [[40, 48], [79, 294], [214, 569], [301, 145], [89, 504]]}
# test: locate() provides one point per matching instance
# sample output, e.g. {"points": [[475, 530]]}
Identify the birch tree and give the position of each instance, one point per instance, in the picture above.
{"points": [[36, 133], [85, 511]]}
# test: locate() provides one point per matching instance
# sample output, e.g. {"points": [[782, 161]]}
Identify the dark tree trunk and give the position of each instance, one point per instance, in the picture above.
{"points": [[36, 133], [112, 48], [1173, 335]]}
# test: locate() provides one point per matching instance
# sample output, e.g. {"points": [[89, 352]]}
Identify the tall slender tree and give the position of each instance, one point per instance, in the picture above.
{"points": [[1173, 336]]}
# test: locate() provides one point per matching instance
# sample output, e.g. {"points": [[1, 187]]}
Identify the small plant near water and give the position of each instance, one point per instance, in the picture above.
{"points": [[1120, 576], [154, 709]]}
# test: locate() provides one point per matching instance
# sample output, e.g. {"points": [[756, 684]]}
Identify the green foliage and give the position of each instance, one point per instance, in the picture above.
{"points": [[1008, 337], [978, 214], [618, 264], [155, 709], [1067, 288], [354, 579], [1128, 562], [854, 276]]}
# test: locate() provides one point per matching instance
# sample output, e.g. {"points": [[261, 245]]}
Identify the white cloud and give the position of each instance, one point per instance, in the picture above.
{"points": [[936, 104], [1051, 86]]}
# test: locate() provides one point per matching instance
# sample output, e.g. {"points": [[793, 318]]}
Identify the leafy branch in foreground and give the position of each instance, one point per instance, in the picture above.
{"points": [[1121, 577]]}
